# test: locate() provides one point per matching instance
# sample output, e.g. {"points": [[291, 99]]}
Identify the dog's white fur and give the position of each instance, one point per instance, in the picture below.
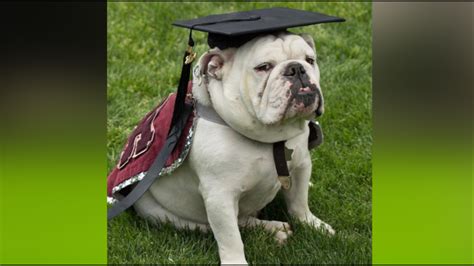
{"points": [[230, 174]]}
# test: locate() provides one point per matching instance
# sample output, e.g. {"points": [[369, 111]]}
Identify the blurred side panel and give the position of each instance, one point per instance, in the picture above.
{"points": [[52, 133], [422, 158]]}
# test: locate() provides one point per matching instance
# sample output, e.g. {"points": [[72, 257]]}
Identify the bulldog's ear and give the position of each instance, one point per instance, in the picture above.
{"points": [[208, 67], [211, 63], [309, 40]]}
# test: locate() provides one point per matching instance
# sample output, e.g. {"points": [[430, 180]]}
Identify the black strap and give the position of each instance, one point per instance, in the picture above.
{"points": [[315, 139], [316, 136], [280, 159], [155, 168]]}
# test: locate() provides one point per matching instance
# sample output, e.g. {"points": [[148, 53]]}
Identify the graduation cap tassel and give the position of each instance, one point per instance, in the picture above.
{"points": [[188, 58]]}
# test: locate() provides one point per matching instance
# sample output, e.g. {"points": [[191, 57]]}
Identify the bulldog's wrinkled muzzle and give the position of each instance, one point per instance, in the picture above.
{"points": [[303, 91]]}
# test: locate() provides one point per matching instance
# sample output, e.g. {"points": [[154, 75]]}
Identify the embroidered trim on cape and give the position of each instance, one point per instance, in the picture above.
{"points": [[165, 170], [111, 200]]}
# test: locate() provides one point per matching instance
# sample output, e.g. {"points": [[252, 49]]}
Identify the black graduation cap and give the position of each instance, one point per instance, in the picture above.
{"points": [[235, 29]]}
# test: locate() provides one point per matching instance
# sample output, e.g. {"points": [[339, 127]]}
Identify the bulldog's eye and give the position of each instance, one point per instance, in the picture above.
{"points": [[263, 67], [310, 60]]}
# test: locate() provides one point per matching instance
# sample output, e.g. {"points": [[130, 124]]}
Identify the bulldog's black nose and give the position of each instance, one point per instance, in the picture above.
{"points": [[294, 69]]}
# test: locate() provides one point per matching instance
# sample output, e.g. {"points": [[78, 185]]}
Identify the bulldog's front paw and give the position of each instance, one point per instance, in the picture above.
{"points": [[282, 232], [320, 225], [282, 236]]}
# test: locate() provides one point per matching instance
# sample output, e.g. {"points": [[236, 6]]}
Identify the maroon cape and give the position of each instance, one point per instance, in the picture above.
{"points": [[144, 144]]}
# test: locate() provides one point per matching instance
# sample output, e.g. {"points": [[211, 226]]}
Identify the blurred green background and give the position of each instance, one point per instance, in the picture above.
{"points": [[143, 53], [52, 133], [422, 153]]}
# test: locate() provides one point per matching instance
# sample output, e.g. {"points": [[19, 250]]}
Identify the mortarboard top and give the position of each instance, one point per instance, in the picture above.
{"points": [[234, 29]]}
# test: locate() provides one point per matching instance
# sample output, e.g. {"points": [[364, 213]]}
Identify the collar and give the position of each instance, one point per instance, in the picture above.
{"points": [[208, 113]]}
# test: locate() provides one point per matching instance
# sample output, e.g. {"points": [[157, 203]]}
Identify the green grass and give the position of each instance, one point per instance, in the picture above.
{"points": [[144, 53]]}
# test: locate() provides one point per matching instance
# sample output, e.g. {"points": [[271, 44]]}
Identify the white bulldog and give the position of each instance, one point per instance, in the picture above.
{"points": [[265, 90]]}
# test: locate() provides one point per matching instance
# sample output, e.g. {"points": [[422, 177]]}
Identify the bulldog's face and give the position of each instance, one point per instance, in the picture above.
{"points": [[269, 84], [282, 79]]}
